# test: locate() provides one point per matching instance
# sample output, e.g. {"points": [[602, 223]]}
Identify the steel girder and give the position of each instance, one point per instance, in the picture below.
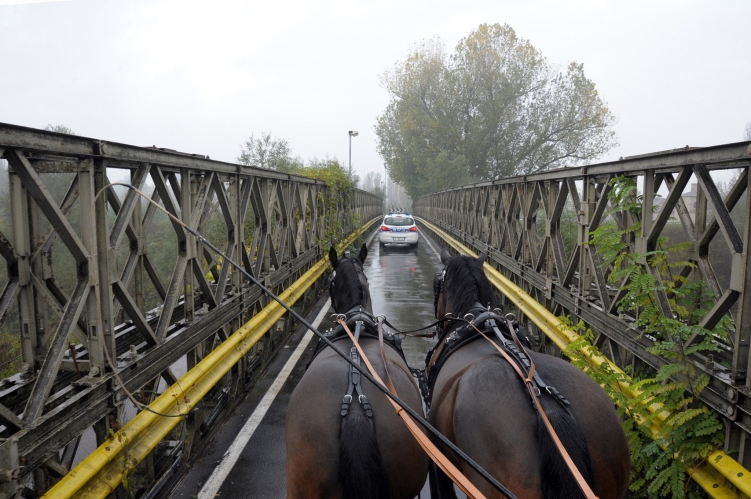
{"points": [[521, 223], [117, 300]]}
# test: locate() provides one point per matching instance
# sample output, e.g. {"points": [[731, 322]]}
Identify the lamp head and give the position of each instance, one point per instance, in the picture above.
{"points": [[353, 133]]}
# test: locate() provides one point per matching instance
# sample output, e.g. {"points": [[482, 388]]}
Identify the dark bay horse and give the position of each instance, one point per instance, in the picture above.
{"points": [[352, 456], [481, 404]]}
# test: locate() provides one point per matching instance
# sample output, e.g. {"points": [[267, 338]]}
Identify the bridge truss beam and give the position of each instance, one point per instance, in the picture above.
{"points": [[86, 280], [520, 222]]}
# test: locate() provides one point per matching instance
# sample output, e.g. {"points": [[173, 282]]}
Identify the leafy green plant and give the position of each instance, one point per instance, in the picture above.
{"points": [[669, 430], [336, 199]]}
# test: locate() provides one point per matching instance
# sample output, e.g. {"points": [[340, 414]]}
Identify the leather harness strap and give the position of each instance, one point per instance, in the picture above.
{"points": [[383, 356], [528, 382], [428, 446], [354, 383]]}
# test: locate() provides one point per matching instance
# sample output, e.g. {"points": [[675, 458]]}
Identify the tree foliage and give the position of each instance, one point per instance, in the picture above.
{"points": [[747, 131], [268, 152], [339, 217], [495, 107]]}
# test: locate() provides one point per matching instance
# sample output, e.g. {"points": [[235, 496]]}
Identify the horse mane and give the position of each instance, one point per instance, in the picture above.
{"points": [[467, 284], [349, 290]]}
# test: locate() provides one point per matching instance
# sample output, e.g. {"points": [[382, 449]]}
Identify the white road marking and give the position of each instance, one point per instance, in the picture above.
{"points": [[372, 236], [431, 247], [220, 473]]}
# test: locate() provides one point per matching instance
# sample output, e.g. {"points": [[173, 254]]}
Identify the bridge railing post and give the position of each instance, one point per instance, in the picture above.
{"points": [[501, 217]]}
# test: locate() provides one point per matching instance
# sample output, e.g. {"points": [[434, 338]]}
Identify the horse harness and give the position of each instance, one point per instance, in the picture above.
{"points": [[365, 326], [510, 336], [489, 323], [425, 442]]}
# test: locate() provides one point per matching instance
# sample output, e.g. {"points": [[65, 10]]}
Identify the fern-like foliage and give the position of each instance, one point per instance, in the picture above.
{"points": [[669, 430]]}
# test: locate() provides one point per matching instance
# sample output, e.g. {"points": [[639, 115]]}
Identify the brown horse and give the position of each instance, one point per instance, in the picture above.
{"points": [[480, 403], [355, 455]]}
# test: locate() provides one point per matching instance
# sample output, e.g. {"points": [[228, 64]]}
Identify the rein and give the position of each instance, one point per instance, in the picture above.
{"points": [[428, 446], [396, 401], [406, 333], [529, 382]]}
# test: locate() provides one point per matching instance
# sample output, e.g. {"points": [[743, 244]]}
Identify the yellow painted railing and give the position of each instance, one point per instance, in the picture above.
{"points": [[720, 476], [103, 470]]}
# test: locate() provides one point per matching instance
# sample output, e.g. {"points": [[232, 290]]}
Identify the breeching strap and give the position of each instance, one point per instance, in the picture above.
{"points": [[583, 485], [429, 447]]}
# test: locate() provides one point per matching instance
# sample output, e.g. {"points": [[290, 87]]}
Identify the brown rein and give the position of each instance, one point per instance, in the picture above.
{"points": [[428, 446], [583, 485]]}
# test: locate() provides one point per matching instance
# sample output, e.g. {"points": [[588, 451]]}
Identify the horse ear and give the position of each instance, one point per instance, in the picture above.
{"points": [[481, 258], [363, 253], [332, 257], [445, 256]]}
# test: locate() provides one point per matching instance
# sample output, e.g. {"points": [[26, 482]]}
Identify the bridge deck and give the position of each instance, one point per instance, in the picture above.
{"points": [[401, 287]]}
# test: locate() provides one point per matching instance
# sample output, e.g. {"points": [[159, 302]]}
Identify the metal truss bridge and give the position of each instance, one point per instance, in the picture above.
{"points": [[112, 300]]}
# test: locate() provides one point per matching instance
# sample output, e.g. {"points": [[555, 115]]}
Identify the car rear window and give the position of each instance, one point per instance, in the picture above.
{"points": [[399, 221]]}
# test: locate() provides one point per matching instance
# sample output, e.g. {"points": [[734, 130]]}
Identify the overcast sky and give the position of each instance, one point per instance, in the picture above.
{"points": [[201, 76]]}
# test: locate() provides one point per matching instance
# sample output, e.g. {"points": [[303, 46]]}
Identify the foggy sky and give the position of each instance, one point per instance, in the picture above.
{"points": [[200, 77]]}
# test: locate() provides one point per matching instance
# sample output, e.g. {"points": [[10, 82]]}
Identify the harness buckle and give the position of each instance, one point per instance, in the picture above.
{"points": [[510, 317], [345, 399], [469, 317], [452, 337]]}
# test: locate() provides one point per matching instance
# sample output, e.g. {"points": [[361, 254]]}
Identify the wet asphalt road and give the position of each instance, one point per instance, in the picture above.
{"points": [[401, 287]]}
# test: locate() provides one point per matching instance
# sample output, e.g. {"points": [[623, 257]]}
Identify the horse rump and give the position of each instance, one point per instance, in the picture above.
{"points": [[361, 471], [557, 480]]}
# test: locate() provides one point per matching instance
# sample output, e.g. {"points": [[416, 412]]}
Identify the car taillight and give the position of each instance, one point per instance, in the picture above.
{"points": [[413, 229], [384, 228]]}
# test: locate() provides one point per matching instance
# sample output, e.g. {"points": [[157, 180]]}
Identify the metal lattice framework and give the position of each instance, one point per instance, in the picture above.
{"points": [[521, 223], [271, 222]]}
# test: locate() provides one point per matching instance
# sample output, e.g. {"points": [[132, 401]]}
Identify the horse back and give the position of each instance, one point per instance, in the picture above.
{"points": [[481, 404], [314, 425]]}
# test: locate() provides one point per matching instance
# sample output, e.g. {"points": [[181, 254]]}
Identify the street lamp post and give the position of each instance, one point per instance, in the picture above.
{"points": [[352, 133]]}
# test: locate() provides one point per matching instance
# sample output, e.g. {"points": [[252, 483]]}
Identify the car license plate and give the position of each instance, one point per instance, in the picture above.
{"points": [[399, 239]]}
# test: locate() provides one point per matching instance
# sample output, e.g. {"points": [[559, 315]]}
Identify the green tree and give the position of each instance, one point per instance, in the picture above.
{"points": [[446, 171], [336, 198], [268, 152], [496, 107]]}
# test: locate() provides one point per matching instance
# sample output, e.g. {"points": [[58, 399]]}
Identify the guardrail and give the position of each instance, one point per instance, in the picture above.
{"points": [[100, 473], [720, 476], [536, 229], [86, 277]]}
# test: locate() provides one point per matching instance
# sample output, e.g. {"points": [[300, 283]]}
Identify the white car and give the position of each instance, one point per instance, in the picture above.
{"points": [[398, 228]]}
